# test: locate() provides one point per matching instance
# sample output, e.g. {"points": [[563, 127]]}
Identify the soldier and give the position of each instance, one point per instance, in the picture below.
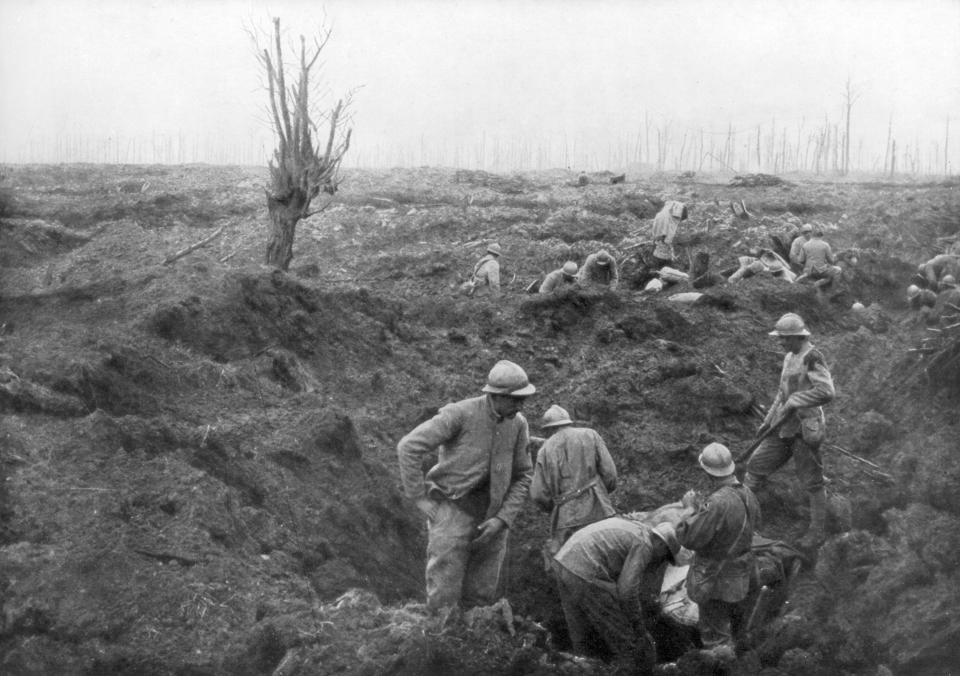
{"points": [[819, 263], [806, 231], [938, 267], [486, 273], [664, 230], [573, 477], [720, 532], [946, 309], [561, 278], [796, 423], [603, 571], [920, 298], [600, 268], [473, 493]]}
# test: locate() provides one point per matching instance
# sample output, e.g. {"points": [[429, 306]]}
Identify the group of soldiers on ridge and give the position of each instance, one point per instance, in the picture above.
{"points": [[605, 564]]}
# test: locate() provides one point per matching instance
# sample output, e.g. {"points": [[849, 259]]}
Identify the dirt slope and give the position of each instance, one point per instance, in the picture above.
{"points": [[198, 458]]}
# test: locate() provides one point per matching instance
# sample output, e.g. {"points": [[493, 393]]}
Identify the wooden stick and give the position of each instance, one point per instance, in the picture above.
{"points": [[193, 247]]}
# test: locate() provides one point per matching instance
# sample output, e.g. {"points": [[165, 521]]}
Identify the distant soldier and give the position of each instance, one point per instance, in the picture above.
{"points": [[819, 263], [604, 571], [486, 273], [938, 267], [806, 231], [664, 230], [795, 422], [920, 298], [600, 269], [946, 309], [720, 532], [768, 262], [572, 478], [561, 278]]}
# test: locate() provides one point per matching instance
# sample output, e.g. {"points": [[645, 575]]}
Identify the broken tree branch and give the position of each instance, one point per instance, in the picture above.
{"points": [[193, 247]]}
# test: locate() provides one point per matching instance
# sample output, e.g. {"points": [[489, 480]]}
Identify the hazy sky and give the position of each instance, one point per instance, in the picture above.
{"points": [[440, 79]]}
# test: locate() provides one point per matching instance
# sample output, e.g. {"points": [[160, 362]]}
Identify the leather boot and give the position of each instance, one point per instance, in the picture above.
{"points": [[816, 533]]}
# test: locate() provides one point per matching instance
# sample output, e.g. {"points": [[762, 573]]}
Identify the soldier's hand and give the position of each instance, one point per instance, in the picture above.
{"points": [[428, 507], [690, 499], [487, 530]]}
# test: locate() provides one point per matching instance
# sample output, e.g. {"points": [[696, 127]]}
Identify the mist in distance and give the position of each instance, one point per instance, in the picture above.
{"points": [[740, 85]]}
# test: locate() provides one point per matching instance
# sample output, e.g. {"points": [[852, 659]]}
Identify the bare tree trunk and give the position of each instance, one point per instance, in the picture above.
{"points": [[893, 157], [946, 147]]}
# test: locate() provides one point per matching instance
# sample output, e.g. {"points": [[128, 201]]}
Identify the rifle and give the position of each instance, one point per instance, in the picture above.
{"points": [[743, 457]]}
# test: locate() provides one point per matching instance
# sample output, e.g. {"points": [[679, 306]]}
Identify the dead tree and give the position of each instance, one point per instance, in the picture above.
{"points": [[300, 168], [850, 97]]}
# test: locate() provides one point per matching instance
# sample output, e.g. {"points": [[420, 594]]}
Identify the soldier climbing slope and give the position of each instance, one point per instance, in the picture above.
{"points": [[572, 478], [795, 425]]}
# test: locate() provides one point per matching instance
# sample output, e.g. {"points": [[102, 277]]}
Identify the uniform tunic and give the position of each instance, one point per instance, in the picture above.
{"points": [[593, 272], [572, 478], [486, 273]]}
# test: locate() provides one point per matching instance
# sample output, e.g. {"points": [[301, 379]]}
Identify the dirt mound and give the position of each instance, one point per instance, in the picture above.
{"points": [[198, 459]]}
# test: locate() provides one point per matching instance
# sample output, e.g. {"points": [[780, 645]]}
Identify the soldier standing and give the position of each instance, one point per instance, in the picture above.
{"points": [[805, 385]]}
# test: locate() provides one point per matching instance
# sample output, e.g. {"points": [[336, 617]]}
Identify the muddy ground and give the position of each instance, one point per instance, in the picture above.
{"points": [[198, 458]]}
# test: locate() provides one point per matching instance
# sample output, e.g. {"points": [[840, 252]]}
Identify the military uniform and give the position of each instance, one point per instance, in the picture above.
{"points": [[483, 470], [818, 260], [573, 477], [486, 275], [720, 533], [599, 268], [556, 280]]}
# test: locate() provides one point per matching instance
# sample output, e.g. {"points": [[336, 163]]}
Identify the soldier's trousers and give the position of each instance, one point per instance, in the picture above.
{"points": [[720, 622], [594, 615], [458, 571], [774, 453]]}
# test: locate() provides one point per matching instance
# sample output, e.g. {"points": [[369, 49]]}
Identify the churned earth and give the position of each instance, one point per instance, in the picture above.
{"points": [[198, 456]]}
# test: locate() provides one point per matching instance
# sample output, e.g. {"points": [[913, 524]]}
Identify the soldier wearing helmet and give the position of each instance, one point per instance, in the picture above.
{"points": [[796, 423], [920, 298], [486, 273], [473, 493], [573, 477], [561, 278], [720, 532], [600, 268], [604, 572]]}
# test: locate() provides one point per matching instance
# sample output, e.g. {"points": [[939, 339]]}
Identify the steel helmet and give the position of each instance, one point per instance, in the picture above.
{"points": [[494, 249], [555, 417], [790, 324], [948, 280], [666, 532], [716, 460], [570, 268], [603, 257], [806, 227], [913, 291], [507, 378]]}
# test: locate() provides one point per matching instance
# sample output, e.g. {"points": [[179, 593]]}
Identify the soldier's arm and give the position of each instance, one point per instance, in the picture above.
{"points": [[696, 532], [522, 476], [628, 584], [822, 391], [423, 439], [539, 490]]}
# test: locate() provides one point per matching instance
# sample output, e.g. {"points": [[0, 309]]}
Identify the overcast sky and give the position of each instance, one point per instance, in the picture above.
{"points": [[438, 80]]}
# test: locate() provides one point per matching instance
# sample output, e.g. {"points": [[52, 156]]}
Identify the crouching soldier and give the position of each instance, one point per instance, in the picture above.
{"points": [[562, 278], [720, 532], [486, 273], [601, 269], [603, 571], [573, 477]]}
